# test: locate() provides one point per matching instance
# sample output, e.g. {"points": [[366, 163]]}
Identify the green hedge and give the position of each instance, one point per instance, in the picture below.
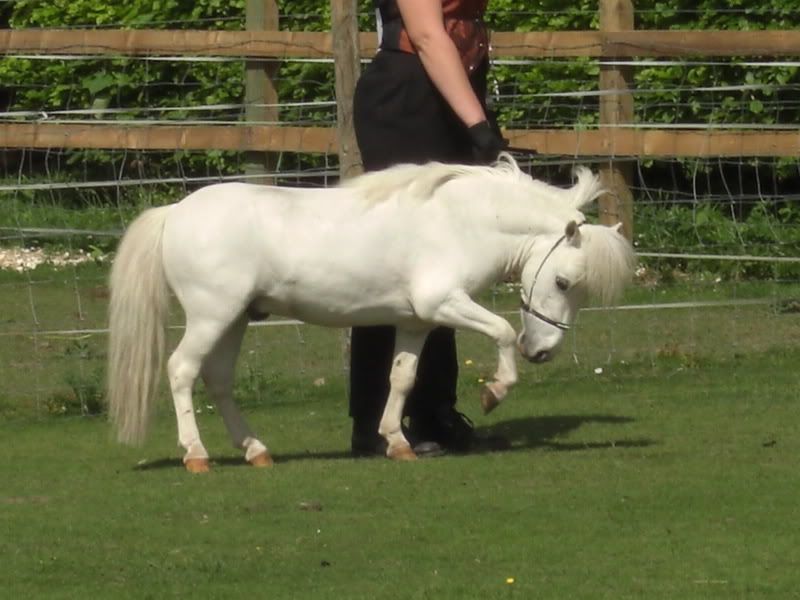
{"points": [[39, 85], [50, 85], [671, 104]]}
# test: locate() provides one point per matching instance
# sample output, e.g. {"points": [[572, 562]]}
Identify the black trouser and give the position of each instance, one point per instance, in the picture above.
{"points": [[400, 117]]}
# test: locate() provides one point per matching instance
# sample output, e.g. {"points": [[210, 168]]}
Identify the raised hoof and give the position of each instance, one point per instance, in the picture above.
{"points": [[403, 453], [488, 400], [261, 461], [197, 465]]}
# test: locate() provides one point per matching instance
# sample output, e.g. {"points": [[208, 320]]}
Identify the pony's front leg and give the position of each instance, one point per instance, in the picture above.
{"points": [[407, 347], [461, 312]]}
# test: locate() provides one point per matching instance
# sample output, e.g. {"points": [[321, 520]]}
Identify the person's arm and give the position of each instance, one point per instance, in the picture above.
{"points": [[424, 22]]}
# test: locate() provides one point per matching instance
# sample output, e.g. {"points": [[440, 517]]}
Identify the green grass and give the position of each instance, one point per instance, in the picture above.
{"points": [[670, 483], [670, 474], [74, 211]]}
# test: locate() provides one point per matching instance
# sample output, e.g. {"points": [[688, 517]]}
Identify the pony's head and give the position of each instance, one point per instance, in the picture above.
{"points": [[561, 274]]}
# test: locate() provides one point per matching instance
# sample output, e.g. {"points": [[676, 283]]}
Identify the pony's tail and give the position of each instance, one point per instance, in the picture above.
{"points": [[137, 326], [587, 188]]}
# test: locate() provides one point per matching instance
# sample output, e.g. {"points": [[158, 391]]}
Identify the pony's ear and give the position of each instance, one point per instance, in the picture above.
{"points": [[618, 227], [572, 232]]}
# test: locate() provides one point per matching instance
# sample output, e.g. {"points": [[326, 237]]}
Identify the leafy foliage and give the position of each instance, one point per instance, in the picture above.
{"points": [[145, 85], [52, 85], [671, 101], [666, 93], [706, 228]]}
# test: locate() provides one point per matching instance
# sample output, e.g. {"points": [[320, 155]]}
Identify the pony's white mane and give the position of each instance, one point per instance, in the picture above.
{"points": [[610, 262], [610, 259], [420, 182]]}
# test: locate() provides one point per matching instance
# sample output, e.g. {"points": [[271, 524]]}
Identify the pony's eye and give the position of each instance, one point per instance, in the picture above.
{"points": [[562, 284]]}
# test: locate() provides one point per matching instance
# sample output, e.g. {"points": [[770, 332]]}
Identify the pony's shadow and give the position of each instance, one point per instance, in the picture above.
{"points": [[177, 463], [238, 461], [505, 436], [544, 432]]}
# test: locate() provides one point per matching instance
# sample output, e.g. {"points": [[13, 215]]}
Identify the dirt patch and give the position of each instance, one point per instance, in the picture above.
{"points": [[27, 259]]}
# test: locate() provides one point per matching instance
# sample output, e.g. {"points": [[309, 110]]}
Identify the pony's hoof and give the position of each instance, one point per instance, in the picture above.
{"points": [[261, 461], [488, 400], [403, 453], [197, 465]]}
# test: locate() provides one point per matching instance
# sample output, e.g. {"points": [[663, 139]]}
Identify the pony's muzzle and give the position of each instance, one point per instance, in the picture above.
{"points": [[539, 356]]}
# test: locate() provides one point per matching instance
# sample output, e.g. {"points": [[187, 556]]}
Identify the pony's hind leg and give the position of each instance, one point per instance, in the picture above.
{"points": [[408, 345], [183, 366], [218, 375]]}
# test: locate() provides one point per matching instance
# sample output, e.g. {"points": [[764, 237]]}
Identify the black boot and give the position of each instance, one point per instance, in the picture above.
{"points": [[366, 441], [450, 429]]}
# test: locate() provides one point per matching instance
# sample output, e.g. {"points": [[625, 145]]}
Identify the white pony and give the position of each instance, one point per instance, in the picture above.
{"points": [[409, 246]]}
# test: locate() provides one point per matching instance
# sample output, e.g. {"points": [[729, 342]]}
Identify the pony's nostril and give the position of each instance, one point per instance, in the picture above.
{"points": [[541, 356]]}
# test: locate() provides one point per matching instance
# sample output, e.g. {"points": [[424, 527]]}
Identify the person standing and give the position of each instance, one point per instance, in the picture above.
{"points": [[421, 99]]}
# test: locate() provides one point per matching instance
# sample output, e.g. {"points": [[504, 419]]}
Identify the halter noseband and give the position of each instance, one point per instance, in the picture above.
{"points": [[526, 306]]}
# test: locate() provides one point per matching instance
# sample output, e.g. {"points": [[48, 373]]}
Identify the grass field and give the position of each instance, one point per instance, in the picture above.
{"points": [[656, 458]]}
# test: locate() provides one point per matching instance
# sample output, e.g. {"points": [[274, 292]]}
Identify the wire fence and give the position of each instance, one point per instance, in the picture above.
{"points": [[722, 230]]}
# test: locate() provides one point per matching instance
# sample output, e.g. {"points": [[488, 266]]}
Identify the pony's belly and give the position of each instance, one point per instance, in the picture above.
{"points": [[331, 315]]}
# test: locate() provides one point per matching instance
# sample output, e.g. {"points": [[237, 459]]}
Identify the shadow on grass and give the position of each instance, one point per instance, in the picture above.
{"points": [[505, 436], [542, 432], [177, 463], [239, 461]]}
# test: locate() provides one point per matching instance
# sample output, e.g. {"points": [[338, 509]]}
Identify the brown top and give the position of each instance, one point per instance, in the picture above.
{"points": [[463, 21]]}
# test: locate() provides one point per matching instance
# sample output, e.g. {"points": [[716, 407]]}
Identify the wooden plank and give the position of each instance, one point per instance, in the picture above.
{"points": [[254, 44], [236, 138], [144, 42], [616, 108], [287, 44], [347, 66], [655, 143], [646, 43], [639, 143], [549, 44], [264, 44]]}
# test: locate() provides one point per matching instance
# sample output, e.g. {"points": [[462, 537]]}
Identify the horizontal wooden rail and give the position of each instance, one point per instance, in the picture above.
{"points": [[148, 42], [642, 43], [657, 143], [168, 137], [612, 142], [286, 44]]}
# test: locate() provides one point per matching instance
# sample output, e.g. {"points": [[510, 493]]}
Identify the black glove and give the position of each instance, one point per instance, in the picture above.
{"points": [[487, 142]]}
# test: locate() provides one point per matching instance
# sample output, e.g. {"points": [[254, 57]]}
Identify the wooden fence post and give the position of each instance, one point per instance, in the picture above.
{"points": [[616, 108], [347, 65], [259, 85]]}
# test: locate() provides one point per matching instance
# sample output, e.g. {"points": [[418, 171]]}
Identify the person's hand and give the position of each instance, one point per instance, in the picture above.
{"points": [[487, 142]]}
